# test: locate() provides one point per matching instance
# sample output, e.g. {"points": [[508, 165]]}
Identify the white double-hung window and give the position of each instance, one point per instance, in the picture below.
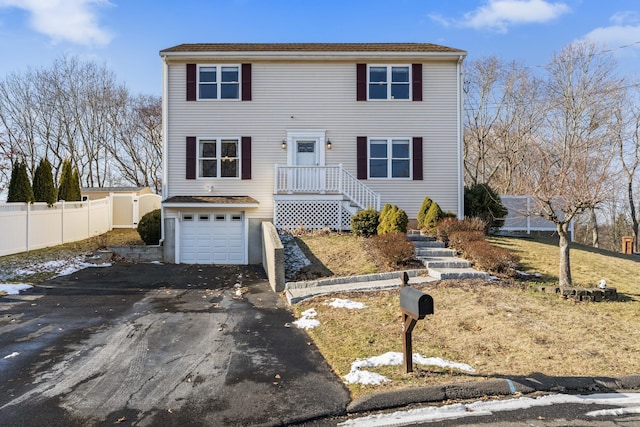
{"points": [[219, 82], [389, 158], [219, 158], [389, 81]]}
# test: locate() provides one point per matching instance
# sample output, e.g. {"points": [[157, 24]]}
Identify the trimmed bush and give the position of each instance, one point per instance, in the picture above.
{"points": [[431, 218], [458, 239], [44, 190], [392, 220], [424, 208], [488, 257], [20, 189], [482, 201], [365, 223], [149, 227], [447, 226], [393, 249]]}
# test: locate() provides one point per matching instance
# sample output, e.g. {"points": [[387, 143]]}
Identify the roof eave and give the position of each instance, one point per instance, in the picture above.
{"points": [[210, 205], [310, 55]]}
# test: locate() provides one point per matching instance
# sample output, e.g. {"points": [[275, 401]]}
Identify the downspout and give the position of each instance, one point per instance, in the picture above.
{"points": [[165, 133], [460, 139]]}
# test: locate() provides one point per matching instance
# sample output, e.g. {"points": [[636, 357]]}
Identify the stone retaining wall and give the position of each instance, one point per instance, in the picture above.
{"points": [[138, 253], [582, 294]]}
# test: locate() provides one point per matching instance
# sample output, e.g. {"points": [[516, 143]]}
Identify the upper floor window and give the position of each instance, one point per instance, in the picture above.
{"points": [[389, 82], [389, 158], [219, 82], [218, 158]]}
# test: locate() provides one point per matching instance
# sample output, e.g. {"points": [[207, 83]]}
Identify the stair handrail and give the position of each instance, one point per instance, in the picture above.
{"points": [[357, 192]]}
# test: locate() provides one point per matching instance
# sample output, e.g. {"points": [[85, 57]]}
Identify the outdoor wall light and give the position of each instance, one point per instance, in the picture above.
{"points": [[328, 144], [283, 145]]}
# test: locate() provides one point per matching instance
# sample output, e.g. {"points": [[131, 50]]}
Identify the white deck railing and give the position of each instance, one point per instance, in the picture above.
{"points": [[324, 180]]}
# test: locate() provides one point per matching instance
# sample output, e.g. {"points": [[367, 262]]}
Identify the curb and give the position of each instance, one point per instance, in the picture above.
{"points": [[494, 387]]}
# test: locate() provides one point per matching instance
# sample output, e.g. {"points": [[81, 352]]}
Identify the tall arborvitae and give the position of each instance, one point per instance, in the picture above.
{"points": [[75, 185], [20, 189], [66, 180], [44, 190]]}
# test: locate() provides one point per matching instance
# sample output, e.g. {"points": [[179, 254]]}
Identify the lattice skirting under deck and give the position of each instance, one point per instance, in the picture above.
{"points": [[311, 215]]}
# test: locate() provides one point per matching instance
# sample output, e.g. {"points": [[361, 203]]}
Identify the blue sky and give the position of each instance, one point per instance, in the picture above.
{"points": [[127, 35]]}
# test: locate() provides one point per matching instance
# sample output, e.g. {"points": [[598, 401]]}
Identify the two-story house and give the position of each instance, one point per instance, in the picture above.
{"points": [[303, 135]]}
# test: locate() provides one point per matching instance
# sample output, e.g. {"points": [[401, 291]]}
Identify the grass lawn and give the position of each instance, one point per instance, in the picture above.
{"points": [[500, 328]]}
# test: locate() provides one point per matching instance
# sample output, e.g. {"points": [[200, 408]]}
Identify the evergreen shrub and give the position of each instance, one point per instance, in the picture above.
{"points": [[482, 201], [149, 227], [392, 220], [365, 223], [20, 189]]}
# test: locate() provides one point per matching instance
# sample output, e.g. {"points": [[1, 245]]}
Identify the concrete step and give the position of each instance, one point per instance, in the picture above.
{"points": [[429, 244], [295, 295], [457, 273], [435, 252], [444, 262], [415, 236]]}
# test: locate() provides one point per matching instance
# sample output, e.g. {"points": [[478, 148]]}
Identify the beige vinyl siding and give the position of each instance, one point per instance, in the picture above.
{"points": [[311, 96]]}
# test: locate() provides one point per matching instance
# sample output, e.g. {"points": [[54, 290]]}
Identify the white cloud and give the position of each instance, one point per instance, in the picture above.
{"points": [[499, 15], [625, 31], [64, 20]]}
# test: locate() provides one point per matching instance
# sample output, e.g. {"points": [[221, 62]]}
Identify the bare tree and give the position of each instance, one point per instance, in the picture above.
{"points": [[78, 110], [500, 119], [137, 148], [573, 152], [627, 137]]}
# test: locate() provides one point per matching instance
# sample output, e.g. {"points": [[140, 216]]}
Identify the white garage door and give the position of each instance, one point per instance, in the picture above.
{"points": [[212, 238]]}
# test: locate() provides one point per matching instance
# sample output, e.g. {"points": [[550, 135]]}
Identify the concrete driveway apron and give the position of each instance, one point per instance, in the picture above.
{"points": [[149, 344]]}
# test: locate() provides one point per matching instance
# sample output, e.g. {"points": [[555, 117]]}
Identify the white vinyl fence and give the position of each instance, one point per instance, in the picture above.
{"points": [[25, 227], [128, 209], [519, 220]]}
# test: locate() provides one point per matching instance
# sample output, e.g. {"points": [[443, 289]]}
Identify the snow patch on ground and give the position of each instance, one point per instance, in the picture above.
{"points": [[345, 303], [9, 356], [359, 376], [628, 403], [61, 267], [14, 288], [307, 321]]}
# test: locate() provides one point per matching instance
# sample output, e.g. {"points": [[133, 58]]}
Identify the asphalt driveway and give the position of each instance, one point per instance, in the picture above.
{"points": [[148, 344]]}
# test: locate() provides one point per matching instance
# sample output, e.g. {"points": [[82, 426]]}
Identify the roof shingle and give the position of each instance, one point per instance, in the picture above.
{"points": [[311, 47]]}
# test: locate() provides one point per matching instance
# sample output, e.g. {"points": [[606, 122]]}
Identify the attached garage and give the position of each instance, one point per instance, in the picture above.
{"points": [[212, 238], [208, 229]]}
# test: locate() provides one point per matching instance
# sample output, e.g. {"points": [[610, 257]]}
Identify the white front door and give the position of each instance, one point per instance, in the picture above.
{"points": [[307, 179], [306, 152]]}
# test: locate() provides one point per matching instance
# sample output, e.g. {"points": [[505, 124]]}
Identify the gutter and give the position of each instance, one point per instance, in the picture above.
{"points": [[460, 138], [165, 133], [317, 56]]}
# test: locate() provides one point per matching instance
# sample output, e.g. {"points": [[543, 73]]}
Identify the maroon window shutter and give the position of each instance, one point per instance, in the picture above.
{"points": [[416, 72], [191, 157], [191, 82], [417, 158], [361, 82], [246, 82], [361, 154], [246, 157]]}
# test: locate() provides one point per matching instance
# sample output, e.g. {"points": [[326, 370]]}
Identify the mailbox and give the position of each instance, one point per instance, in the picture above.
{"points": [[415, 303]]}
